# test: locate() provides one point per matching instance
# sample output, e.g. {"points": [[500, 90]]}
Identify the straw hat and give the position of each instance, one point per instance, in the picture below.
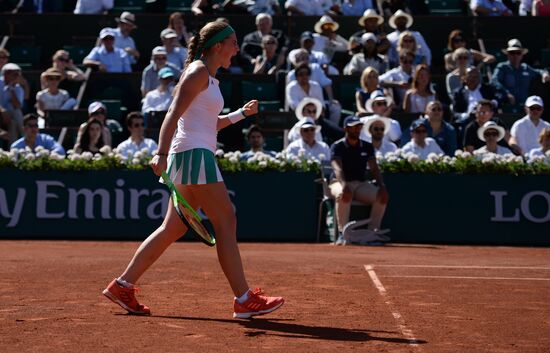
{"points": [[377, 96], [400, 13], [306, 101], [369, 120], [370, 13], [127, 17], [490, 125], [325, 20], [515, 45]]}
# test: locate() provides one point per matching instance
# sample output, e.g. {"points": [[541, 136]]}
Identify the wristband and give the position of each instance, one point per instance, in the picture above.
{"points": [[236, 116]]}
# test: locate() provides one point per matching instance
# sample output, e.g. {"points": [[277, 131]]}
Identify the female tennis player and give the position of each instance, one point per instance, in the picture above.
{"points": [[188, 155]]}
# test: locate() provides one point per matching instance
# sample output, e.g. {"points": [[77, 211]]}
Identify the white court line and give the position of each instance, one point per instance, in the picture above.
{"points": [[474, 267], [407, 333], [470, 277]]}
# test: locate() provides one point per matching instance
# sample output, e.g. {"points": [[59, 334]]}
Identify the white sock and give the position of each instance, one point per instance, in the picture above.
{"points": [[124, 283], [243, 297]]}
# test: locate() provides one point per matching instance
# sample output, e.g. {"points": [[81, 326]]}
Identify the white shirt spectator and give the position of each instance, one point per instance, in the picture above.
{"points": [[535, 152], [294, 133], [317, 75], [395, 75], [311, 7], [357, 8], [51, 101], [423, 152], [320, 150], [385, 147], [422, 47], [157, 101], [500, 150], [525, 7], [527, 134], [92, 6], [130, 147], [317, 57], [393, 135], [295, 93], [329, 46]]}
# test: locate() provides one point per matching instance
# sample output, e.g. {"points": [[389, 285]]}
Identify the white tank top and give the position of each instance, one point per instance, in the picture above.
{"points": [[197, 125]]}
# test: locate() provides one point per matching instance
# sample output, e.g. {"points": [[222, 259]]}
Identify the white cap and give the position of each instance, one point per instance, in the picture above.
{"points": [[534, 100], [11, 67], [159, 50], [95, 106], [106, 32], [168, 33], [368, 36]]}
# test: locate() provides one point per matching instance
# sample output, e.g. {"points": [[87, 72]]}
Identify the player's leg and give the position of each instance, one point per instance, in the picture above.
{"points": [[122, 290], [171, 229], [214, 201]]}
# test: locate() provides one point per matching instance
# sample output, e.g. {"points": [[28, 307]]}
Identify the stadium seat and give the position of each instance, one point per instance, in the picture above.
{"points": [[265, 92], [178, 5], [445, 7], [115, 110], [346, 94], [226, 87], [128, 5], [77, 52], [28, 54], [65, 118], [545, 58]]}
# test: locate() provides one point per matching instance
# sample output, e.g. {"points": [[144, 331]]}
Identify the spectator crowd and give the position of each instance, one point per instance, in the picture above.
{"points": [[393, 70]]}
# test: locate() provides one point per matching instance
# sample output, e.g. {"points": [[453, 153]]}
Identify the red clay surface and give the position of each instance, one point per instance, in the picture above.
{"points": [[50, 299]]}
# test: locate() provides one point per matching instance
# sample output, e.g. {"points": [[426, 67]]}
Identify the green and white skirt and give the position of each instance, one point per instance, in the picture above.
{"points": [[193, 167]]}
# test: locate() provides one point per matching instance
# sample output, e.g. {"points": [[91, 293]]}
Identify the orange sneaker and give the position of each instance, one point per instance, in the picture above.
{"points": [[256, 304], [125, 298]]}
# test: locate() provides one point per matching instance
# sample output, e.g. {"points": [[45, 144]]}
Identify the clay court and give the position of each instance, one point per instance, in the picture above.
{"points": [[398, 298]]}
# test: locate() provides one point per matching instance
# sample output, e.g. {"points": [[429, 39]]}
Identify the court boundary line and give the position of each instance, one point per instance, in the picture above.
{"points": [[406, 332], [470, 267], [472, 277]]}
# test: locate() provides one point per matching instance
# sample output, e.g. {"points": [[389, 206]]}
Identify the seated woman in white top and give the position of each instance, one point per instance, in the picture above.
{"points": [[417, 98], [308, 108], [421, 145], [491, 133], [543, 150]]}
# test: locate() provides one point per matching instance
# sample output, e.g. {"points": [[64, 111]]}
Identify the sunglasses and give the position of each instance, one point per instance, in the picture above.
{"points": [[270, 42], [483, 112], [458, 39], [53, 78], [311, 111], [32, 125], [491, 133], [535, 108], [381, 129], [406, 62], [4, 57], [421, 131], [64, 60], [463, 58], [309, 129], [302, 73], [160, 58], [515, 53], [408, 40], [379, 104], [98, 112], [436, 109], [138, 125]]}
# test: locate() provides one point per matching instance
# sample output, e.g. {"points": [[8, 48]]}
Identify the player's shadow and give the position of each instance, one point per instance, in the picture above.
{"points": [[284, 328]]}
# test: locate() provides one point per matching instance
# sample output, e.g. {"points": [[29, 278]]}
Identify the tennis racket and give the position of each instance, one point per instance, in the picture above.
{"points": [[187, 214]]}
